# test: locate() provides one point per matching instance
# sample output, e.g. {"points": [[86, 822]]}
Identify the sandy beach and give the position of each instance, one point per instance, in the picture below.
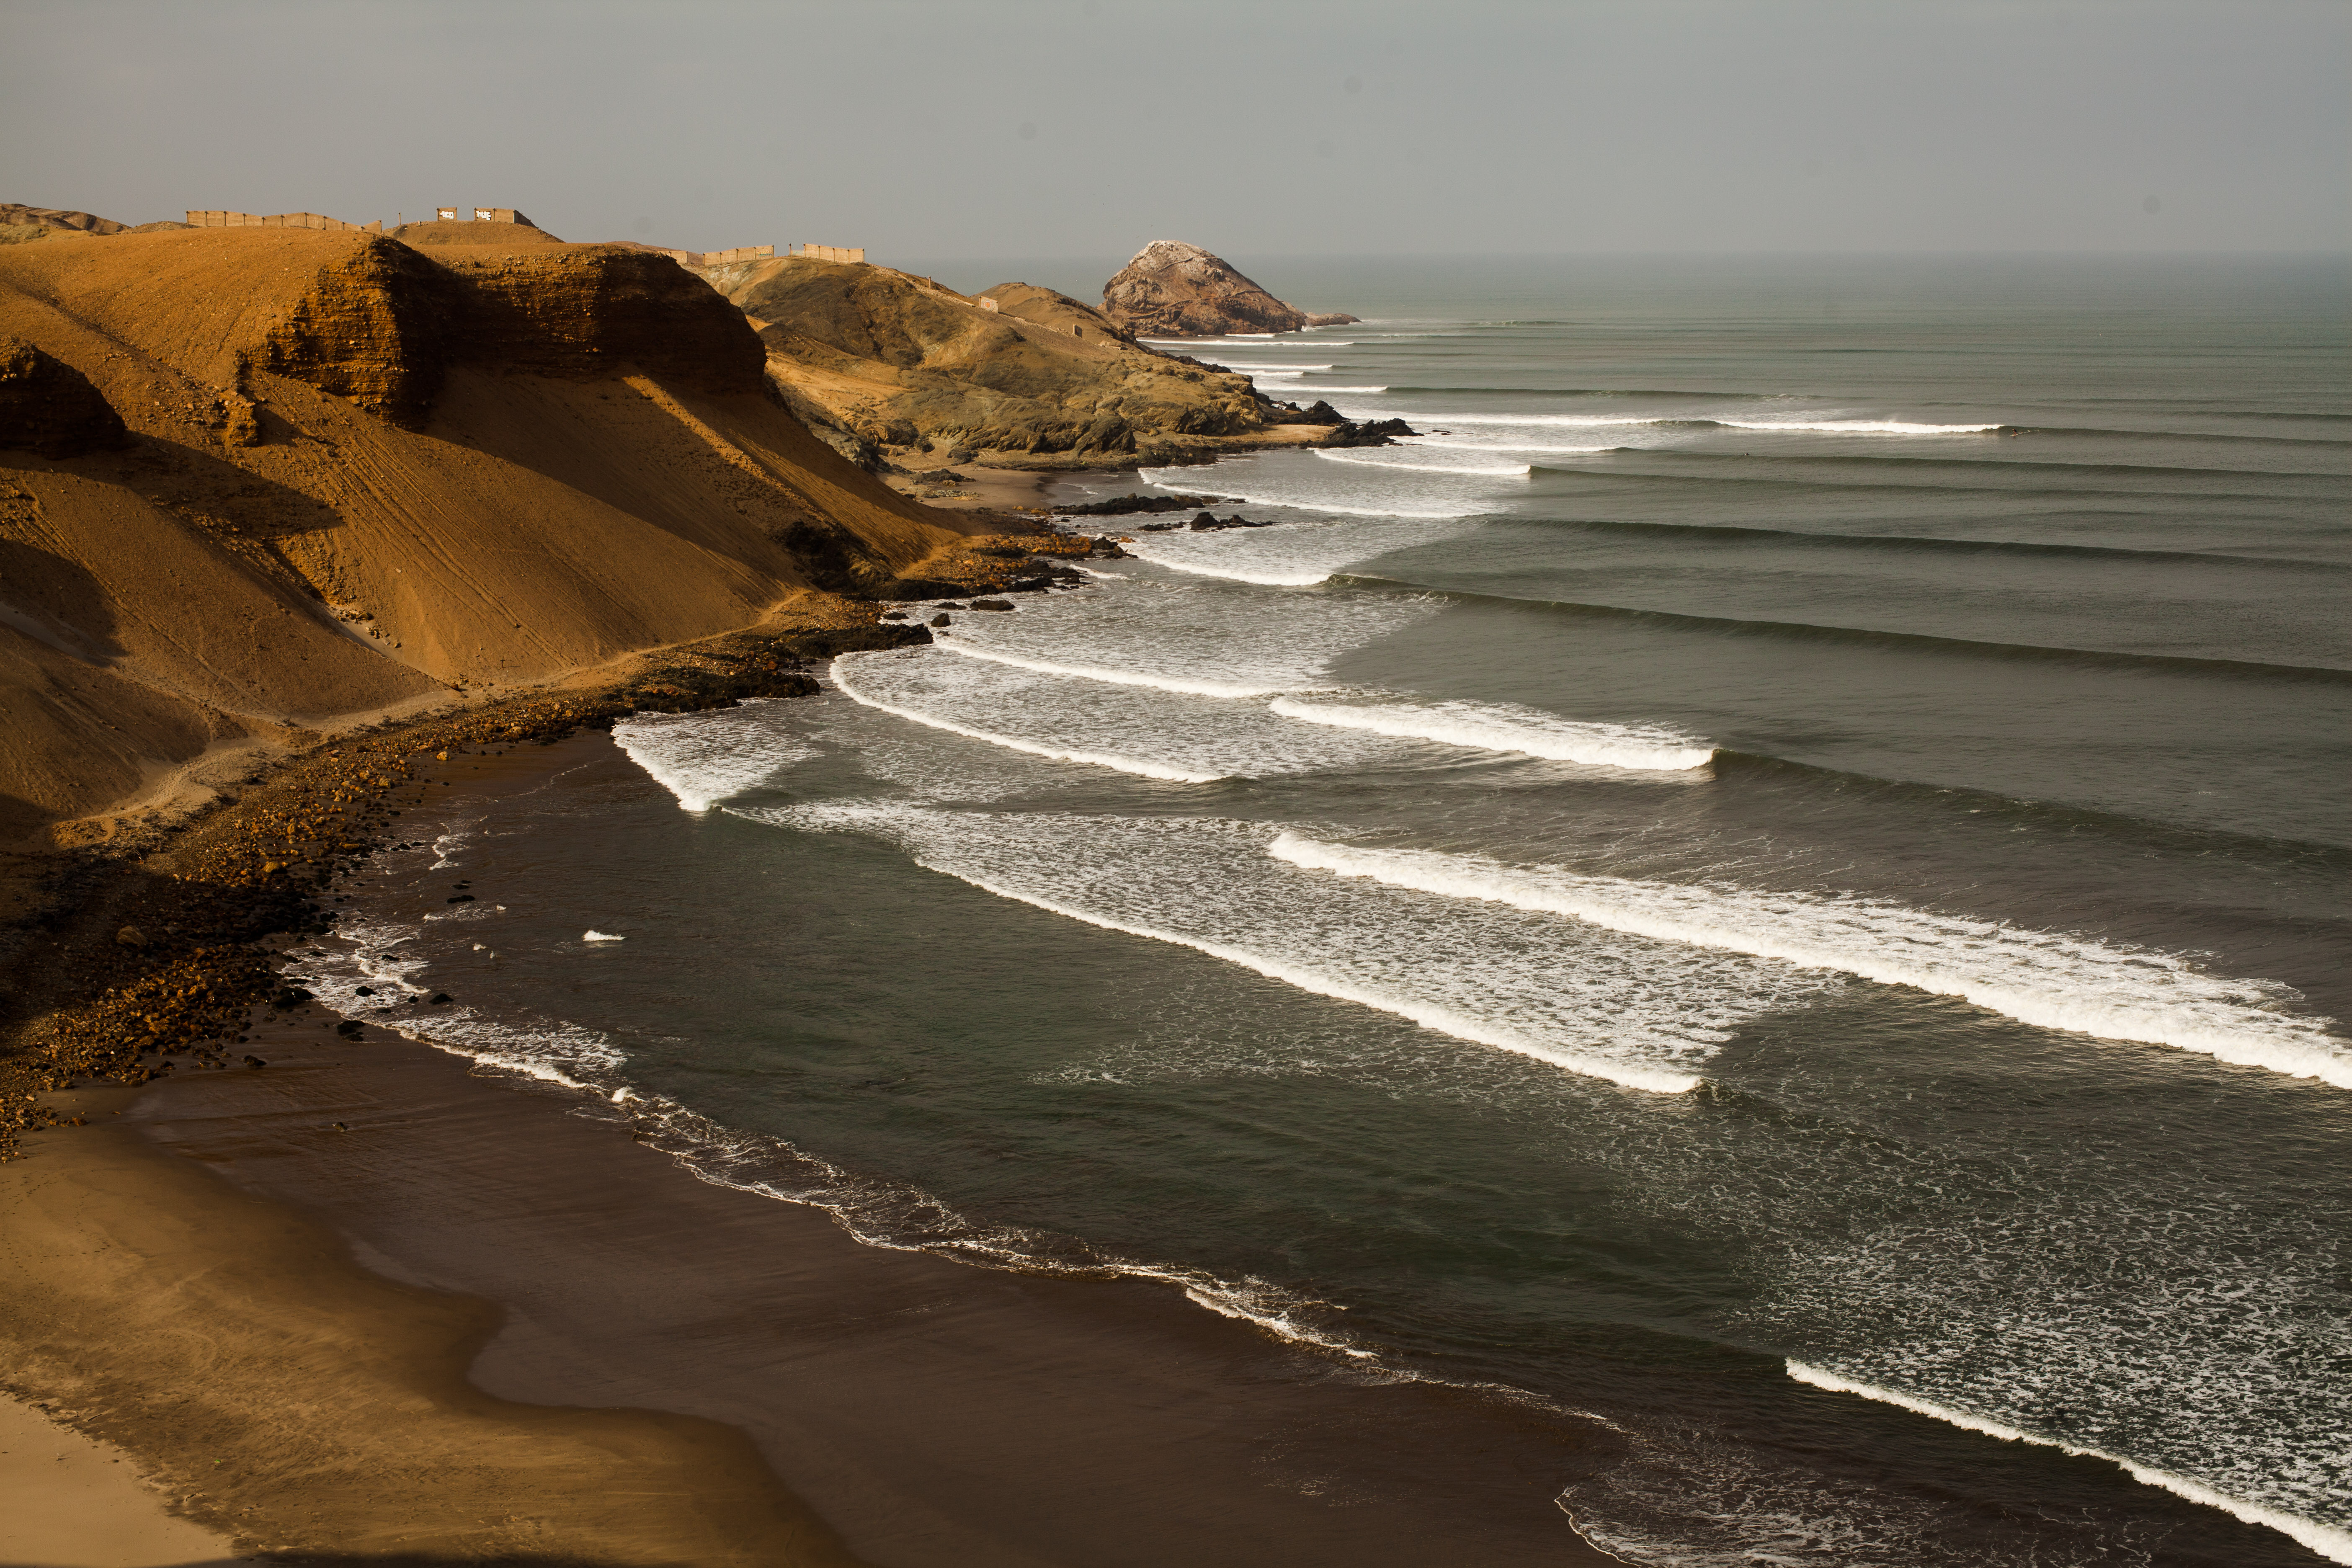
{"points": [[372, 1299]]}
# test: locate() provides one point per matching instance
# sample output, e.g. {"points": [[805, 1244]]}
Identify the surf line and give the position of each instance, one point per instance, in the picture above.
{"points": [[971, 649], [2050, 982], [1459, 724], [1439, 1019], [1094, 759], [2329, 1542]]}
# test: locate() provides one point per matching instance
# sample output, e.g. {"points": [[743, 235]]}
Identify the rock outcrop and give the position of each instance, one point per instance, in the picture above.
{"points": [[369, 329], [594, 312], [890, 367], [1173, 290], [382, 325], [51, 407]]}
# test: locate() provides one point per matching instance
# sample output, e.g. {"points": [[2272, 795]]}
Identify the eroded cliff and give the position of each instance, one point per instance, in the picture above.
{"points": [[356, 477]]}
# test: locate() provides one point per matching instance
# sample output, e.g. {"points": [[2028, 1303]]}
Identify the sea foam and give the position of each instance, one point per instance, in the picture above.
{"points": [[1506, 727], [1631, 1011], [1799, 427], [1179, 683], [704, 758], [1144, 767], [1514, 470], [2331, 1542], [2048, 979]]}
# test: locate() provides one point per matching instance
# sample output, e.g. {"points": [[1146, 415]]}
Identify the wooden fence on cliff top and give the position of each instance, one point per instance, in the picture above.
{"points": [[765, 253], [214, 219]]}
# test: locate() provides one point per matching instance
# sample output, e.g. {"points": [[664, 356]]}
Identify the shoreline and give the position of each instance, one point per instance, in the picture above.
{"points": [[210, 1328], [918, 1409]]}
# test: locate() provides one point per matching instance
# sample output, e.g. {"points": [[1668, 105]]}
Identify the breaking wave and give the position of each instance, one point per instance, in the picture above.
{"points": [[2051, 980], [971, 649], [1506, 727], [2330, 1541], [1138, 765]]}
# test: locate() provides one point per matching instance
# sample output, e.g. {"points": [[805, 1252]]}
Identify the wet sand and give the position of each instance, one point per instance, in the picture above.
{"points": [[67, 1502], [281, 1395], [928, 1412], [479, 1321]]}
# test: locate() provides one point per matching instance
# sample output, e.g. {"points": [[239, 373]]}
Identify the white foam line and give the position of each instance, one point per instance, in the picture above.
{"points": [[1516, 470], [2053, 981], [1491, 446], [1858, 426], [1801, 427], [1265, 579], [1094, 759], [2329, 1540], [1109, 676], [1278, 369], [1559, 741], [1151, 477], [1442, 1020], [1320, 390]]}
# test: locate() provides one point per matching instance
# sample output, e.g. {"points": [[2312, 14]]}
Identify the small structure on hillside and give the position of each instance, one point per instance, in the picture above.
{"points": [[216, 217], [481, 215], [827, 252], [698, 258]]}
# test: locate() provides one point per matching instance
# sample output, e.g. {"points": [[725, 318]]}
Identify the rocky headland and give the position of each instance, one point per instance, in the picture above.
{"points": [[899, 373], [1172, 290], [908, 378]]}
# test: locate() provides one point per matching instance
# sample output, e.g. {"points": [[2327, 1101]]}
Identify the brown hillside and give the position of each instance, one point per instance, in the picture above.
{"points": [[357, 478], [890, 360]]}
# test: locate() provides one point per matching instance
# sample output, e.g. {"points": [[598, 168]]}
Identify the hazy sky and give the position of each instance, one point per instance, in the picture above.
{"points": [[1002, 128]]}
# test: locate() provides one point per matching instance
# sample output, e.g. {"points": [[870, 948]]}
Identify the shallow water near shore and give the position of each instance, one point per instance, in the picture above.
{"points": [[1775, 880]]}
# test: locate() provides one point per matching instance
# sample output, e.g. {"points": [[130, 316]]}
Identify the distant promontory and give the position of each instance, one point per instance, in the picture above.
{"points": [[1173, 290]]}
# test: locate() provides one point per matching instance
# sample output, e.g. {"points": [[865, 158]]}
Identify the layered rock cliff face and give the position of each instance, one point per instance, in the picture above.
{"points": [[582, 312], [51, 407], [886, 364], [370, 328], [357, 478], [1176, 290], [382, 325]]}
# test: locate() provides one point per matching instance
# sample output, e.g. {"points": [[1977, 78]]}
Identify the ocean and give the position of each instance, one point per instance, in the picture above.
{"points": [[1774, 882]]}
